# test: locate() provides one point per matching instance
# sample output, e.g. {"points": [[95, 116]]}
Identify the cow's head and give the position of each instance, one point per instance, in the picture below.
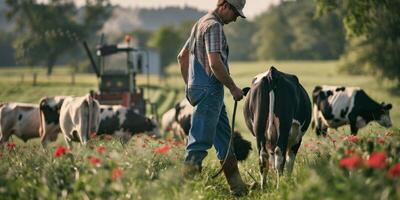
{"points": [[384, 116]]}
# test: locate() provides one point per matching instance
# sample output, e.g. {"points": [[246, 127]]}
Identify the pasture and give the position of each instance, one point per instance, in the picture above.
{"points": [[147, 168]]}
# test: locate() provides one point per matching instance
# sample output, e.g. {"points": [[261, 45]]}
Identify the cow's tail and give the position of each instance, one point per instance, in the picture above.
{"points": [[41, 118], [241, 146], [271, 115]]}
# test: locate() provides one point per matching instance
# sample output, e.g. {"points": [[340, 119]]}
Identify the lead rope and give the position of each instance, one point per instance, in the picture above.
{"points": [[230, 146]]}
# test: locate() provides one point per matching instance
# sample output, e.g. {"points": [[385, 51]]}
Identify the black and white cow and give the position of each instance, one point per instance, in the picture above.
{"points": [[79, 117], [124, 122], [277, 111], [335, 106], [49, 118], [19, 119]]}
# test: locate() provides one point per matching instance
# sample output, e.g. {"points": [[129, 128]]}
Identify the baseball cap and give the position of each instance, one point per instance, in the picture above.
{"points": [[238, 5]]}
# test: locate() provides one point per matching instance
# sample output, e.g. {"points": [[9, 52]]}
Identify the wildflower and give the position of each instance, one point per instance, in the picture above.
{"points": [[116, 173], [377, 160], [61, 150], [107, 137], [349, 152], [380, 140], [101, 149], [394, 171], [94, 161], [350, 162], [162, 150], [11, 146], [352, 138], [93, 135]]}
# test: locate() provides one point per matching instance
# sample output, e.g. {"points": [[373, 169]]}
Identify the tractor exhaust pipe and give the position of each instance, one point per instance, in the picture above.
{"points": [[96, 70]]}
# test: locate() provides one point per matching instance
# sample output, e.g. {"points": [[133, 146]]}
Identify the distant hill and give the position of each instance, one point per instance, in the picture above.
{"points": [[128, 19]]}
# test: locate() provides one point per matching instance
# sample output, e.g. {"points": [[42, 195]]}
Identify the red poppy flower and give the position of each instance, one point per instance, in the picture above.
{"points": [[162, 150], [352, 138], [116, 173], [11, 146], [351, 162], [349, 152], [377, 160], [101, 149], [93, 135], [394, 171], [380, 140], [94, 161], [61, 150]]}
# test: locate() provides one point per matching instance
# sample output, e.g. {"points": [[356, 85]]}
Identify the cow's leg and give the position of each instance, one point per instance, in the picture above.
{"points": [[291, 156], [4, 137], [264, 166], [353, 124], [83, 133]]}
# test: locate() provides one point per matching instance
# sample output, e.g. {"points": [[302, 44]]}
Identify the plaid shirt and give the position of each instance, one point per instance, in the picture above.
{"points": [[210, 38]]}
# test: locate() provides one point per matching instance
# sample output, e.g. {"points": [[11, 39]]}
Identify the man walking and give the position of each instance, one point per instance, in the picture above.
{"points": [[204, 66]]}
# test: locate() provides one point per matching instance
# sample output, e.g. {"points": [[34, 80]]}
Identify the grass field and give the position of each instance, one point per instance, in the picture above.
{"points": [[139, 171]]}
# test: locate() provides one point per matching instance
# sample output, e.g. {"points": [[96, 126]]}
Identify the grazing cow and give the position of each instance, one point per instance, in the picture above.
{"points": [[124, 122], [20, 119], [49, 118], [79, 116], [335, 106], [177, 120], [277, 111]]}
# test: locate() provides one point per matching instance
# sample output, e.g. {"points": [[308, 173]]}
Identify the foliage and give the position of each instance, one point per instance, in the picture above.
{"points": [[45, 32], [168, 42], [239, 36], [6, 50], [377, 25], [291, 31]]}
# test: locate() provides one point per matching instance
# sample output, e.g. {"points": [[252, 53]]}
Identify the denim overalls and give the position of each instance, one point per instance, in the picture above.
{"points": [[210, 124]]}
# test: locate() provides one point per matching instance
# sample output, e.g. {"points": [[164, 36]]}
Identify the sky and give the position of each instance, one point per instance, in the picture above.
{"points": [[252, 8]]}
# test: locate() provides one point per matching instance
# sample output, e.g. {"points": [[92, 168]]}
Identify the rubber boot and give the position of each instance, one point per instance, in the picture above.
{"points": [[232, 175], [190, 170]]}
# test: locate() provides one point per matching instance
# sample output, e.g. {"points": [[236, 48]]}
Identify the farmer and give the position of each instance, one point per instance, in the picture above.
{"points": [[204, 66]]}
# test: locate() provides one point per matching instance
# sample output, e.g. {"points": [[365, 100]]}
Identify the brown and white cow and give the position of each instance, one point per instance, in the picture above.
{"points": [[79, 116], [124, 122], [335, 106], [19, 119], [177, 120], [277, 111], [49, 118]]}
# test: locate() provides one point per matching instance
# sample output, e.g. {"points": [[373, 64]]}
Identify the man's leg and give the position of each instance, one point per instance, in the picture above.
{"points": [[201, 134]]}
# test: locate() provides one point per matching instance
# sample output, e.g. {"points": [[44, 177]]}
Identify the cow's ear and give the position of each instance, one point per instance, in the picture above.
{"points": [[388, 106]]}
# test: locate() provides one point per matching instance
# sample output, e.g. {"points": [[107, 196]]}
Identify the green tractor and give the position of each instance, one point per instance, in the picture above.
{"points": [[117, 76]]}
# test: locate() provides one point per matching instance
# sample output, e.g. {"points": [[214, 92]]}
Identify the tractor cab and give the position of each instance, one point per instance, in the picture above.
{"points": [[117, 75]]}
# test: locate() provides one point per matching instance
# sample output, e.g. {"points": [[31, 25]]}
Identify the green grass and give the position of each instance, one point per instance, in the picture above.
{"points": [[30, 173]]}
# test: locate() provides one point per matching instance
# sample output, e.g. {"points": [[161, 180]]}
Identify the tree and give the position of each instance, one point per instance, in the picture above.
{"points": [[290, 30], [44, 32], [239, 36], [375, 26], [168, 42]]}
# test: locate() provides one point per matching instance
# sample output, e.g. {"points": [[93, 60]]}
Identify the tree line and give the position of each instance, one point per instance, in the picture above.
{"points": [[363, 34]]}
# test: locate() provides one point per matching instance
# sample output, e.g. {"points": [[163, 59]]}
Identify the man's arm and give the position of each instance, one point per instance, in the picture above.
{"points": [[220, 72], [183, 61]]}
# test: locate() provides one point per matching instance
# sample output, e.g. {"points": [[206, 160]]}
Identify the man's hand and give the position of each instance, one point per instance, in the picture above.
{"points": [[237, 93]]}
